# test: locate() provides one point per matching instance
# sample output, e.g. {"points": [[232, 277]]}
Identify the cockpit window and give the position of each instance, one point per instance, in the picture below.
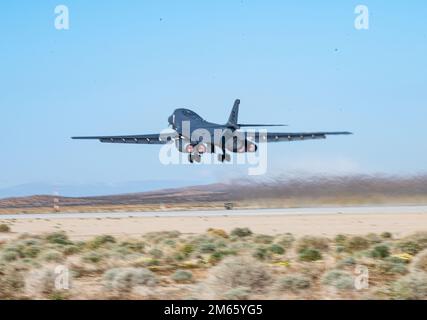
{"points": [[191, 114]]}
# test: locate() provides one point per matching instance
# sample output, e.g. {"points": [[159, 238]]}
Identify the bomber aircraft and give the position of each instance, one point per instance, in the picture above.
{"points": [[194, 135]]}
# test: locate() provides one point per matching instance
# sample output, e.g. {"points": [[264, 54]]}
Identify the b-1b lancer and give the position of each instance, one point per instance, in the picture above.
{"points": [[196, 136]]}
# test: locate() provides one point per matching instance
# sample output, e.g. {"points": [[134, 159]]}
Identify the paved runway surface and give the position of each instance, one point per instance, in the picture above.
{"points": [[219, 213], [400, 220]]}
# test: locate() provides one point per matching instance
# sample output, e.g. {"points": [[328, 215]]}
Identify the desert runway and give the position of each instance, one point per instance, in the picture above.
{"points": [[400, 220]]}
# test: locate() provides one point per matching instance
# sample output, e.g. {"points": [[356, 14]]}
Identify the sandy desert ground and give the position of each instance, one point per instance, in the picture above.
{"points": [[304, 221], [311, 253]]}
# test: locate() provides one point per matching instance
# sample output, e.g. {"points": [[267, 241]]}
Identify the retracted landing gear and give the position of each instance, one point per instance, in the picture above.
{"points": [[224, 157], [194, 157]]}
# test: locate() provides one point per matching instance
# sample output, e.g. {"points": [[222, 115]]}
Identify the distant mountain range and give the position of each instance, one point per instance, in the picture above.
{"points": [[279, 192]]}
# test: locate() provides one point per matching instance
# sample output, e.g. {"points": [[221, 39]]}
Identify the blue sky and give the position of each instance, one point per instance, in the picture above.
{"points": [[124, 66]]}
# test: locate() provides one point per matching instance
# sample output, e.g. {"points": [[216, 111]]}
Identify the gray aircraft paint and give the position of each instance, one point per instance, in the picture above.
{"points": [[190, 130]]}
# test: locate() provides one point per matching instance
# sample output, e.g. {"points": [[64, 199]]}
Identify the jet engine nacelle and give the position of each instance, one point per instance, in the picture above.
{"points": [[184, 146], [239, 146]]}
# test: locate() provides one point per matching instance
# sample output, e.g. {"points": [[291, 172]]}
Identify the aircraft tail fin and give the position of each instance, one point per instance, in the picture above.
{"points": [[232, 120], [234, 115]]}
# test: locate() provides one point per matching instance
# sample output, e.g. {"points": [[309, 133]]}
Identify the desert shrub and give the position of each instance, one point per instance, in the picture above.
{"points": [[60, 238], [207, 247], [30, 241], [187, 249], [80, 244], [40, 282], [286, 240], [413, 243], [78, 270], [409, 246], [309, 254], [263, 238], [156, 253], [294, 282], [239, 293], [9, 255], [411, 287], [4, 228], [380, 251], [101, 240], [392, 266], [171, 258], [340, 239], [420, 238], [119, 251], [92, 257], [261, 253], [58, 295], [373, 238], [30, 263], [163, 234], [135, 246], [386, 235], [220, 254], [400, 258], [346, 262], [123, 280], [145, 262], [218, 232], [229, 251], [221, 243], [277, 249], [236, 272], [216, 257], [318, 243], [169, 242], [241, 232], [175, 256], [71, 249], [420, 262], [22, 248], [31, 251], [339, 248], [182, 276], [150, 262], [198, 240], [356, 243], [157, 237], [51, 256], [11, 282], [338, 279]]}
